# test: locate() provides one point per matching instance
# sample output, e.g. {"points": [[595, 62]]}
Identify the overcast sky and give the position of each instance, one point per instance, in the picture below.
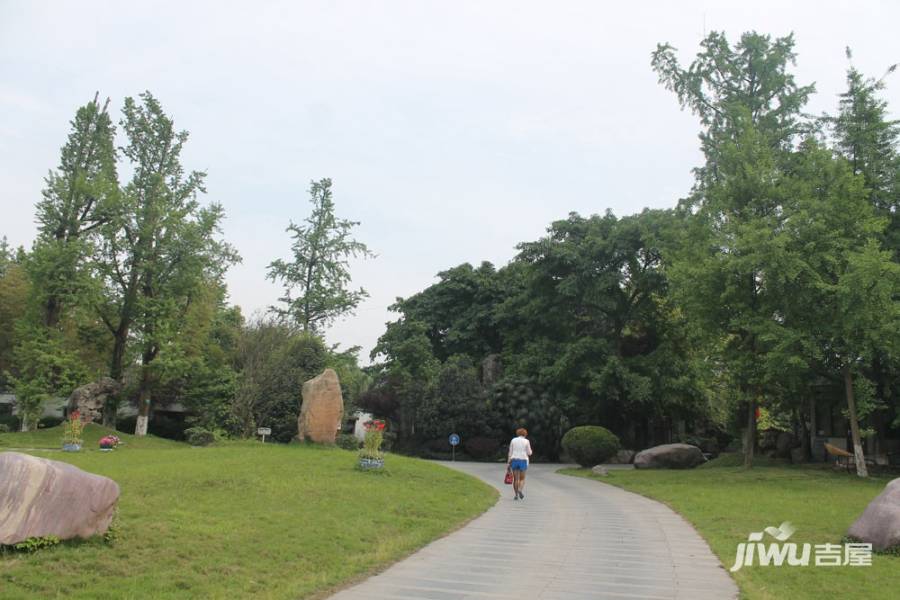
{"points": [[452, 130]]}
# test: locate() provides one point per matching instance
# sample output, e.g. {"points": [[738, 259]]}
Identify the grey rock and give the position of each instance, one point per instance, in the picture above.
{"points": [[669, 456], [879, 524], [90, 399], [600, 470], [41, 497]]}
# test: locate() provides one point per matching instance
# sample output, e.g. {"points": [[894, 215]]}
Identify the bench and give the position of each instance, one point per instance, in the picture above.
{"points": [[843, 458]]}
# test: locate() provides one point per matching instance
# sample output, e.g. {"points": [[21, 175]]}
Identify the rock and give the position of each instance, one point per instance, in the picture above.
{"points": [[880, 522], [600, 470], [90, 399], [623, 457], [783, 444], [322, 409], [41, 497], [669, 456]]}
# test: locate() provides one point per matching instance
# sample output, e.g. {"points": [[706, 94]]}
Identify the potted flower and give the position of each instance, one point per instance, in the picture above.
{"points": [[72, 433], [108, 442], [370, 455]]}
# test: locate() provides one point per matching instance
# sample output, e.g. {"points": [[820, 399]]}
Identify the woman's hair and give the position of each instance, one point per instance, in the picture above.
{"points": [[521, 431]]}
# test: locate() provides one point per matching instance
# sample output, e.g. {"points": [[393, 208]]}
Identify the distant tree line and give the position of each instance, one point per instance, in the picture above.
{"points": [[126, 280], [775, 278]]}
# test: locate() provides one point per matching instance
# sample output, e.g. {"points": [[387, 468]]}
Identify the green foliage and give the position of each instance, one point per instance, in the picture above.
{"points": [[482, 448], [590, 445], [4, 428], [347, 441], [33, 544], [274, 359], [319, 269], [197, 436]]}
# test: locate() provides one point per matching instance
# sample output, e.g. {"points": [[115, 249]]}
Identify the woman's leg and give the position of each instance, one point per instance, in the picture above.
{"points": [[522, 483], [517, 477]]}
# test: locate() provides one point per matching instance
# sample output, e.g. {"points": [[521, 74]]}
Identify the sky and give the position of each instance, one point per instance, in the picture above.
{"points": [[451, 130]]}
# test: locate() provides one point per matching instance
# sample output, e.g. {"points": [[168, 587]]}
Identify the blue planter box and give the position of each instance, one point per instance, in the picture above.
{"points": [[71, 447], [368, 464]]}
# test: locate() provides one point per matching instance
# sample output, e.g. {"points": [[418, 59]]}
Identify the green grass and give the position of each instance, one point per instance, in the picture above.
{"points": [[243, 521], [51, 438], [726, 503]]}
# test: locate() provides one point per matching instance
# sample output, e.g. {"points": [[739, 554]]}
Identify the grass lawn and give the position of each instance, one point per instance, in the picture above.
{"points": [[726, 503], [241, 520]]}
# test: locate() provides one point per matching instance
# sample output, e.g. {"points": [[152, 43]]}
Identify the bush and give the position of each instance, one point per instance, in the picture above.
{"points": [[481, 448], [390, 438], [11, 421], [347, 441], [4, 428], [590, 445], [197, 436], [47, 422]]}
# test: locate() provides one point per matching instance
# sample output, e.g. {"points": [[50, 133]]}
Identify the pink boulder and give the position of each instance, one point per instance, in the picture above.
{"points": [[40, 497], [880, 522]]}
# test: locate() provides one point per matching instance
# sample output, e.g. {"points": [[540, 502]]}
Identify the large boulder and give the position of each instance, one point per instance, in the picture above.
{"points": [[41, 497], [669, 456], [90, 399], [880, 522], [322, 409]]}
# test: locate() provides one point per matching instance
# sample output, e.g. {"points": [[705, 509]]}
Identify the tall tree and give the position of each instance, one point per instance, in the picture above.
{"points": [[750, 112], [160, 250], [79, 197], [320, 270]]}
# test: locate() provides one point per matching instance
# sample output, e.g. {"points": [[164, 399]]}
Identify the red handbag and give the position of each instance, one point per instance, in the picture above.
{"points": [[508, 479]]}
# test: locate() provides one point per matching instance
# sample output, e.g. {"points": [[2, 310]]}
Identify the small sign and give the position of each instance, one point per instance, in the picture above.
{"points": [[264, 431], [454, 439]]}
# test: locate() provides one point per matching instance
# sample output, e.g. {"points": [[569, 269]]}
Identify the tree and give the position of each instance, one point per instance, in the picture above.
{"points": [[750, 111], [865, 136], [320, 269], [14, 293], [843, 293], [274, 359], [160, 248], [79, 197]]}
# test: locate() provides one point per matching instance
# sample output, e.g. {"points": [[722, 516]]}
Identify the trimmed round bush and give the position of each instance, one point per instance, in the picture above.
{"points": [[348, 441], [590, 445], [197, 436]]}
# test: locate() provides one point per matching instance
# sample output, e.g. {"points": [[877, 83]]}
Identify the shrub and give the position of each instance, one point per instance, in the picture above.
{"points": [[47, 422], [347, 441], [11, 421], [590, 445], [198, 436], [481, 448], [4, 428]]}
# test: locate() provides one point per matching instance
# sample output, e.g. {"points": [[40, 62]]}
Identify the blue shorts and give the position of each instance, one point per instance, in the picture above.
{"points": [[518, 464]]}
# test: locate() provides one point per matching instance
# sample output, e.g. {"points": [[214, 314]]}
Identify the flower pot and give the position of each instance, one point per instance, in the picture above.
{"points": [[71, 447], [105, 449], [368, 464]]}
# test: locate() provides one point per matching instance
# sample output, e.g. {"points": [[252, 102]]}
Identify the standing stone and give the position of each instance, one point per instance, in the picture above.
{"points": [[600, 470], [322, 409], [879, 524], [669, 456], [41, 497], [90, 399]]}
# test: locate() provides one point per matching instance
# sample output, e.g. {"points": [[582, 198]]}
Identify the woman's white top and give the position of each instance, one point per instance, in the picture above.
{"points": [[519, 448]]}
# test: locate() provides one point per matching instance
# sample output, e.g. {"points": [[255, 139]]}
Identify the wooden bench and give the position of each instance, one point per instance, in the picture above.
{"points": [[844, 458]]}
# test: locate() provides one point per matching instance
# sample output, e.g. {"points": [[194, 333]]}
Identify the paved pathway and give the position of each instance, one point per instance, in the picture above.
{"points": [[571, 538]]}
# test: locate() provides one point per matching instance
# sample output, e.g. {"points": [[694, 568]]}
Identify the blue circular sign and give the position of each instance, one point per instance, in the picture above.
{"points": [[454, 439]]}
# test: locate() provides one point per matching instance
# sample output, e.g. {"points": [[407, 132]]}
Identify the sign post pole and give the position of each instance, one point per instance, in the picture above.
{"points": [[454, 442]]}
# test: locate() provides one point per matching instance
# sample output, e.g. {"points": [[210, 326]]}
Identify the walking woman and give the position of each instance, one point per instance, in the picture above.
{"points": [[517, 461]]}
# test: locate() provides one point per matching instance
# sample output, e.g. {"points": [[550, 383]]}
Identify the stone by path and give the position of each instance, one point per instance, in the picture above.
{"points": [[571, 538]]}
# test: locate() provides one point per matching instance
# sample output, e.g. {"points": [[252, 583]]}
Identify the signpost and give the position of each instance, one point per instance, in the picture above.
{"points": [[264, 431], [454, 442]]}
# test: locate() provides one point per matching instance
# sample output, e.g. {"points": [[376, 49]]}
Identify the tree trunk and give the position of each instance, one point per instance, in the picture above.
{"points": [[143, 419], [750, 441], [858, 455]]}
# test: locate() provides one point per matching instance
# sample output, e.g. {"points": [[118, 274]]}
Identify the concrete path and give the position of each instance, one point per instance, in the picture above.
{"points": [[571, 538]]}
